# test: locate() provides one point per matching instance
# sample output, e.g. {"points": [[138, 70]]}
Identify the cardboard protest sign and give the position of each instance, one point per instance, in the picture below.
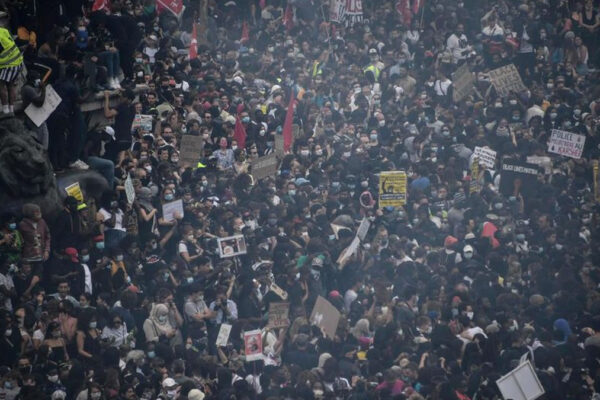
{"points": [[129, 191], [143, 122], [39, 115], [566, 143], [486, 156], [348, 252], [278, 291], [363, 229], [223, 336], [392, 188], [191, 151], [541, 161], [337, 11], [232, 246], [325, 316], [517, 177], [297, 132], [75, 191], [264, 167], [279, 145], [169, 210], [506, 79], [463, 81], [521, 383], [596, 183], [279, 315], [474, 183], [253, 345]]}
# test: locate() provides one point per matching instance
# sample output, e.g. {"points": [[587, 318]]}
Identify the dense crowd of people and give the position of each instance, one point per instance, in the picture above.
{"points": [[448, 291]]}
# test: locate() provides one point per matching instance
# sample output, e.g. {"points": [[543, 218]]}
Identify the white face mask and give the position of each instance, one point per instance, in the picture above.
{"points": [[53, 378], [470, 314]]}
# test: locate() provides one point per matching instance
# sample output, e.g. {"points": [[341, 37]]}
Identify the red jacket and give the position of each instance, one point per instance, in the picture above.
{"points": [[36, 239]]}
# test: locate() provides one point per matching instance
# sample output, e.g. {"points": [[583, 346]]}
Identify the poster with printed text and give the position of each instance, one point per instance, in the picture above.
{"points": [[392, 189]]}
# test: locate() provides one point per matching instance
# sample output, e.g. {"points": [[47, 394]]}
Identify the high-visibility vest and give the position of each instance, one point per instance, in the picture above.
{"points": [[11, 55], [375, 71]]}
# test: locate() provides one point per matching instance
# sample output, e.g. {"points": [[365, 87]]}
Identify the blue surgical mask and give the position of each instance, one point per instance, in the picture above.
{"points": [[190, 279], [100, 245], [85, 258], [12, 226], [151, 354], [245, 120], [169, 197]]}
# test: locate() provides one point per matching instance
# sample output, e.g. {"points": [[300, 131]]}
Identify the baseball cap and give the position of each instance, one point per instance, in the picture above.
{"points": [[168, 383]]}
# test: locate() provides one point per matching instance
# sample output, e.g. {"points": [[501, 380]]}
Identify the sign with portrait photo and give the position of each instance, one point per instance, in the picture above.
{"points": [[232, 246]]}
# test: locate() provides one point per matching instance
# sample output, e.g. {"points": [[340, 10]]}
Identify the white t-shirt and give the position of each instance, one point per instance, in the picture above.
{"points": [[118, 218], [7, 282]]}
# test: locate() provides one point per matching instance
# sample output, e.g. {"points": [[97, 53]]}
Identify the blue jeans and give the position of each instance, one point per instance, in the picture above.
{"points": [[104, 167], [111, 61]]}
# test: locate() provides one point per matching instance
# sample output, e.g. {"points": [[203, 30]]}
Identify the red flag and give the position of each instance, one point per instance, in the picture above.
{"points": [[403, 7], [194, 43], [262, 4], [175, 6], [245, 32], [239, 133], [288, 18], [417, 4], [101, 5], [287, 124]]}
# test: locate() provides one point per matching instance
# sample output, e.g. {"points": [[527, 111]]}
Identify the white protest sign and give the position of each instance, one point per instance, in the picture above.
{"points": [[566, 143], [39, 115], [223, 336], [363, 228], [486, 156], [348, 252], [232, 246], [521, 383], [142, 121], [542, 161], [463, 83], [129, 191], [169, 210], [253, 345]]}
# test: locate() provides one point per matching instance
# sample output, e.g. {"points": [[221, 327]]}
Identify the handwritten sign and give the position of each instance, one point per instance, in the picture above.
{"points": [[39, 115], [264, 167], [566, 143], [253, 345], [486, 156], [223, 336], [169, 210], [279, 315], [129, 191], [506, 79], [363, 229], [191, 150], [325, 316], [463, 83], [392, 188], [522, 383]]}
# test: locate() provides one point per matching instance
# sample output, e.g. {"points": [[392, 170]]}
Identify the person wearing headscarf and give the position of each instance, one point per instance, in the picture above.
{"points": [[157, 327]]}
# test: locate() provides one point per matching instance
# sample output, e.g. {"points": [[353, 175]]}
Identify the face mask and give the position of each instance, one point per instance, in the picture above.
{"points": [[292, 192], [100, 245], [12, 226], [304, 153], [262, 132], [151, 354], [165, 277], [272, 221], [373, 137], [234, 147], [577, 112], [559, 247], [269, 144], [175, 160], [245, 120], [205, 136], [154, 246], [190, 238], [148, 168], [382, 123], [8, 385], [93, 325], [53, 378], [550, 85], [512, 102], [445, 133], [468, 256], [553, 115], [470, 314], [346, 154], [319, 152], [331, 237], [498, 206], [516, 118], [85, 258], [171, 394], [169, 197], [520, 237], [190, 279], [119, 257], [95, 396], [162, 318]]}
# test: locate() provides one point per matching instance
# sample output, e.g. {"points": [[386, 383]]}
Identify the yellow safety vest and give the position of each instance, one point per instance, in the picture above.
{"points": [[11, 55], [375, 71]]}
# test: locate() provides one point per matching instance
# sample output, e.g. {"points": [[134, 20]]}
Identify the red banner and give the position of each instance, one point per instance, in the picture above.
{"points": [[175, 6]]}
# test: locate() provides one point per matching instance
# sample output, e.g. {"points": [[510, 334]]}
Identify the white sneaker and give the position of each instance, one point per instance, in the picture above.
{"points": [[116, 83], [78, 164]]}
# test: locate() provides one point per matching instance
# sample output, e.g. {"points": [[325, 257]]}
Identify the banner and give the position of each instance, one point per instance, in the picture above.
{"points": [[253, 345], [566, 143], [232, 246], [486, 156], [474, 183], [517, 177], [264, 167], [191, 150], [354, 12], [348, 252], [39, 115], [463, 81], [325, 316], [522, 383], [174, 6], [142, 121], [392, 189], [223, 336], [596, 183], [541, 161], [75, 191], [337, 11], [169, 210], [279, 315], [506, 79], [129, 190]]}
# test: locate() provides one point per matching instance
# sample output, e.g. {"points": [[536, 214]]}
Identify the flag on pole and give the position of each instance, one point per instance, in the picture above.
{"points": [[101, 5], [239, 133], [262, 4], [194, 43], [245, 32], [174, 6], [288, 18], [404, 8], [416, 6], [287, 124]]}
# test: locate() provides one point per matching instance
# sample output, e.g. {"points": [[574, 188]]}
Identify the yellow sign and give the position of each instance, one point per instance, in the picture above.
{"points": [[392, 189], [596, 183], [474, 184], [75, 191]]}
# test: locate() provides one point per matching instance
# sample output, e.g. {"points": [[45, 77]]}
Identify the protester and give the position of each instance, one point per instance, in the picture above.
{"points": [[252, 152]]}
